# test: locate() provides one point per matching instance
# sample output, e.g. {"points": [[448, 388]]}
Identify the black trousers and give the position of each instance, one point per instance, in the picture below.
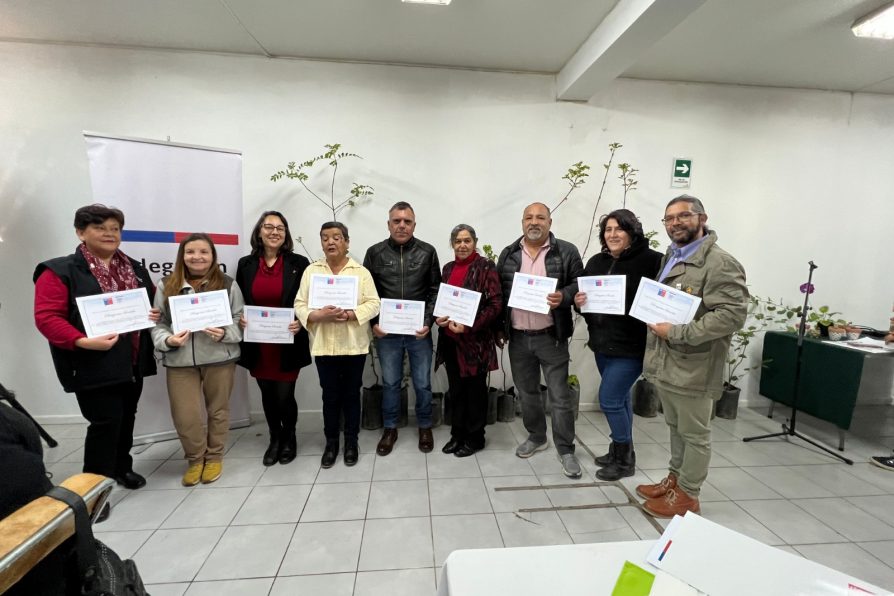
{"points": [[341, 378], [468, 400], [111, 411], [280, 407]]}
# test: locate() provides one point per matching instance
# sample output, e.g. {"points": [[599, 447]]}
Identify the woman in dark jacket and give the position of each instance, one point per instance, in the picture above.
{"points": [[619, 341], [469, 353], [270, 276], [105, 373]]}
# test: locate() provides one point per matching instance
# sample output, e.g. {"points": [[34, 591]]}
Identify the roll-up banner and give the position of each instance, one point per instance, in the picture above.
{"points": [[168, 191]]}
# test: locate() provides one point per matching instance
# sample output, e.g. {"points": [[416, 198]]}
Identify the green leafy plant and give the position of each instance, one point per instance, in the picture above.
{"points": [[764, 314], [331, 158], [576, 176], [489, 252]]}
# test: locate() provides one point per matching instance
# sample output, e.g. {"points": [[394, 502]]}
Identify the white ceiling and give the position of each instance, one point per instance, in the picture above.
{"points": [[782, 43]]}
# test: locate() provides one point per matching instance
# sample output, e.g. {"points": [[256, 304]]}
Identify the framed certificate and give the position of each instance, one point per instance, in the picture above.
{"points": [[657, 303], [195, 312], [115, 312], [605, 294], [333, 290], [459, 304], [529, 292], [401, 317], [268, 325]]}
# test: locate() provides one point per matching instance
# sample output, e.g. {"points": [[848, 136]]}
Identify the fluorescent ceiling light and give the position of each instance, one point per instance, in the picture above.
{"points": [[878, 24], [435, 2]]}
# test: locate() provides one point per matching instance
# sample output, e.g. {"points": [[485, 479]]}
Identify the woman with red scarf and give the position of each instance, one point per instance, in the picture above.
{"points": [[469, 353], [105, 373]]}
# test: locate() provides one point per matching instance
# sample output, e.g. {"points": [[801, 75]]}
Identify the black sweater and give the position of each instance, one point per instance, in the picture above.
{"points": [[622, 335]]}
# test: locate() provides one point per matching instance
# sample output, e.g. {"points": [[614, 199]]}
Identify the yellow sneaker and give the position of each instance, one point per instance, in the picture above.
{"points": [[211, 472], [193, 474]]}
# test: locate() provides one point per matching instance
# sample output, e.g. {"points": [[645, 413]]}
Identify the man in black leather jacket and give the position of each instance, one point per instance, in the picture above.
{"points": [[540, 341], [405, 268]]}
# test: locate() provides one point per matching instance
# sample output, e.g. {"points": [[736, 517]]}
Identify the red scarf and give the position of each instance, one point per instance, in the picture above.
{"points": [[118, 275]]}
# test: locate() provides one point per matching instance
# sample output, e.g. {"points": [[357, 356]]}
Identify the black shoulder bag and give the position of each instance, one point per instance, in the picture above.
{"points": [[101, 572]]}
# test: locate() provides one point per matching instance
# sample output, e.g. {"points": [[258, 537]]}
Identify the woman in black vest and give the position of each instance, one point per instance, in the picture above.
{"points": [[105, 373], [270, 276]]}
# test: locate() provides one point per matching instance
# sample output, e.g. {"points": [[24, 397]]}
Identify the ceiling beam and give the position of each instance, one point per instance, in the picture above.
{"points": [[616, 44]]}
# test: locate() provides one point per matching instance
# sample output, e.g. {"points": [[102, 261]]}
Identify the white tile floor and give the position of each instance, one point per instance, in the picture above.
{"points": [[386, 525]]}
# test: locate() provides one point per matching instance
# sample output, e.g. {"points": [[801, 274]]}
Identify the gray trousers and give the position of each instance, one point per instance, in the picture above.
{"points": [[528, 355], [688, 418]]}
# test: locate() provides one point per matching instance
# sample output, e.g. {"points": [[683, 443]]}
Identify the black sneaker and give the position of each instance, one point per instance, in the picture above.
{"points": [[883, 461]]}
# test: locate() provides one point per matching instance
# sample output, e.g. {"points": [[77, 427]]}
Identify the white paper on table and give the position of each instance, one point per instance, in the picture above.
{"points": [[115, 312], [401, 317], [195, 312], [268, 325], [459, 304], [868, 344], [333, 290], [657, 303], [605, 294], [716, 560], [529, 292]]}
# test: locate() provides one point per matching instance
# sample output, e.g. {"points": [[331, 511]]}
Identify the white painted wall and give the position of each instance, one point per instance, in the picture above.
{"points": [[786, 175]]}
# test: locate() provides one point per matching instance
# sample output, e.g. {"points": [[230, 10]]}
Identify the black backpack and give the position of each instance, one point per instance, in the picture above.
{"points": [[97, 570]]}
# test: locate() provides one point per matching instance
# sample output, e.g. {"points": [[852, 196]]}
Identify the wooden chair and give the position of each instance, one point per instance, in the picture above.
{"points": [[32, 532]]}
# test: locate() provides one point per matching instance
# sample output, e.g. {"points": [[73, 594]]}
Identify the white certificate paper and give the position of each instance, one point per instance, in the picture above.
{"points": [[529, 292], [401, 317], [195, 312], [605, 293], [115, 312], [268, 325], [333, 290], [657, 303], [459, 304]]}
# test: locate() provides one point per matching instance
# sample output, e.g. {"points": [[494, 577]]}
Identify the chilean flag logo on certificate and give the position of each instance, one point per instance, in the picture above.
{"points": [[265, 314], [330, 281], [194, 300], [662, 292], [399, 306], [108, 301]]}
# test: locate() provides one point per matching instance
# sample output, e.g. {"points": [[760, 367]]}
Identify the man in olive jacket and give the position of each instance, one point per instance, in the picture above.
{"points": [[685, 362]]}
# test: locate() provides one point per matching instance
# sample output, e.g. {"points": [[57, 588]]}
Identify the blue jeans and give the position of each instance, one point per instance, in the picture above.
{"points": [[619, 373], [391, 350]]}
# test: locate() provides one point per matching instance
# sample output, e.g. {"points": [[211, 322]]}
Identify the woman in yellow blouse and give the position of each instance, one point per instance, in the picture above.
{"points": [[339, 340]]}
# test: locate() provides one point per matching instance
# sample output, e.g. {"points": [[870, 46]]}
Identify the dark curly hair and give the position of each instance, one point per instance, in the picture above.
{"points": [[96, 214], [627, 221]]}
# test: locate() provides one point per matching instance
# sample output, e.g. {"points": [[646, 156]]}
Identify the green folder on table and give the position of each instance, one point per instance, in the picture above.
{"points": [[633, 581]]}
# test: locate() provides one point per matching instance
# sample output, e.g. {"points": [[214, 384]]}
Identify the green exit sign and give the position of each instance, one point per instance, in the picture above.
{"points": [[682, 172]]}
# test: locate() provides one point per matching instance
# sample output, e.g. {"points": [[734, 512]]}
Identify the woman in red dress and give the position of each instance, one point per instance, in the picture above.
{"points": [[270, 276]]}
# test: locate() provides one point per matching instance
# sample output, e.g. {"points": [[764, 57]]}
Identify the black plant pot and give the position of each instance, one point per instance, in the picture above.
{"points": [[728, 405], [493, 401], [645, 400], [371, 408], [437, 409], [506, 405]]}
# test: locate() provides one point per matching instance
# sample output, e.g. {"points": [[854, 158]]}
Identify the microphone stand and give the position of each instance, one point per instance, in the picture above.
{"points": [[790, 429]]}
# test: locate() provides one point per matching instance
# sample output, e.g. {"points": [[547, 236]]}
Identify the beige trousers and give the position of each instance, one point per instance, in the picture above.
{"points": [[200, 407]]}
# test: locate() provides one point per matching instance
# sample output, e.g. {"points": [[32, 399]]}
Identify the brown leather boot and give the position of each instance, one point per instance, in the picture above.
{"points": [[674, 502], [653, 491], [426, 440], [386, 443]]}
